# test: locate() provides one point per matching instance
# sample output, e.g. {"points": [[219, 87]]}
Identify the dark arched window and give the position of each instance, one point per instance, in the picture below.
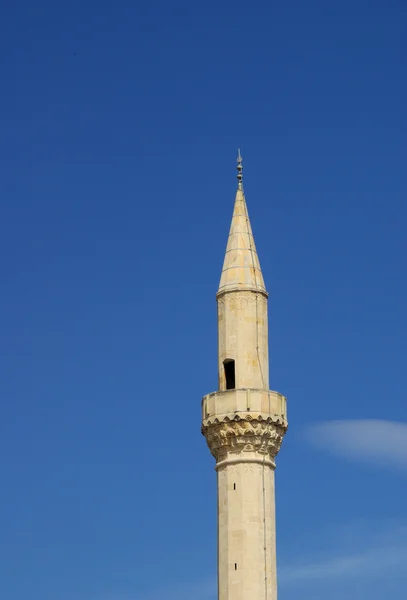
{"points": [[229, 366]]}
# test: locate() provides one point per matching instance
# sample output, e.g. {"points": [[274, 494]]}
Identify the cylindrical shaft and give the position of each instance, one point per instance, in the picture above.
{"points": [[246, 530]]}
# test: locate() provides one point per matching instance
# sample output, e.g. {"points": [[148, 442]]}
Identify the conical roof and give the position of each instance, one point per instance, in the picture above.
{"points": [[241, 267]]}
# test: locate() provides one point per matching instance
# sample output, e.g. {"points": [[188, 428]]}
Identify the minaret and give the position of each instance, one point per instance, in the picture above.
{"points": [[244, 422]]}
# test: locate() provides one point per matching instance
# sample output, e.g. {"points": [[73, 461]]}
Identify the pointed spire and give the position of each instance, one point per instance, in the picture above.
{"points": [[241, 267]]}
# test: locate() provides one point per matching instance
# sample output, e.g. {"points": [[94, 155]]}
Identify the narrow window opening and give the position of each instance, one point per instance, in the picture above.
{"points": [[235, 566], [234, 486], [229, 366]]}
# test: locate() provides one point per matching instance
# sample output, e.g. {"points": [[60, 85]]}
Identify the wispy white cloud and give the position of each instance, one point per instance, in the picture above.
{"points": [[367, 556], [360, 559], [374, 441], [386, 556], [200, 589], [204, 589]]}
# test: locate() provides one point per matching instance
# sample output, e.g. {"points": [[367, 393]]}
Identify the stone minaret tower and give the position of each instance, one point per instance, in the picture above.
{"points": [[244, 422]]}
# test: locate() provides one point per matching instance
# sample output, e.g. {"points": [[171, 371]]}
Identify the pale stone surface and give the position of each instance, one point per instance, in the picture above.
{"points": [[244, 426], [243, 336], [246, 513], [241, 267]]}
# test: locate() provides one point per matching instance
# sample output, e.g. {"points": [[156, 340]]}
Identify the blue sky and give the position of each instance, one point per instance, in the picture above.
{"points": [[120, 124]]}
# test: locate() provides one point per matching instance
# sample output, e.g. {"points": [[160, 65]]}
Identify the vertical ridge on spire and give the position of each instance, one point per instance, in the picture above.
{"points": [[241, 267]]}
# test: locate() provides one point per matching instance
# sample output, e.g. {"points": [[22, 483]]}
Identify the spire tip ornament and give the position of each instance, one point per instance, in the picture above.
{"points": [[239, 170]]}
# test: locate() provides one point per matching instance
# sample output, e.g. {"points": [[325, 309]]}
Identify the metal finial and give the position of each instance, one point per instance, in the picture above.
{"points": [[239, 170]]}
